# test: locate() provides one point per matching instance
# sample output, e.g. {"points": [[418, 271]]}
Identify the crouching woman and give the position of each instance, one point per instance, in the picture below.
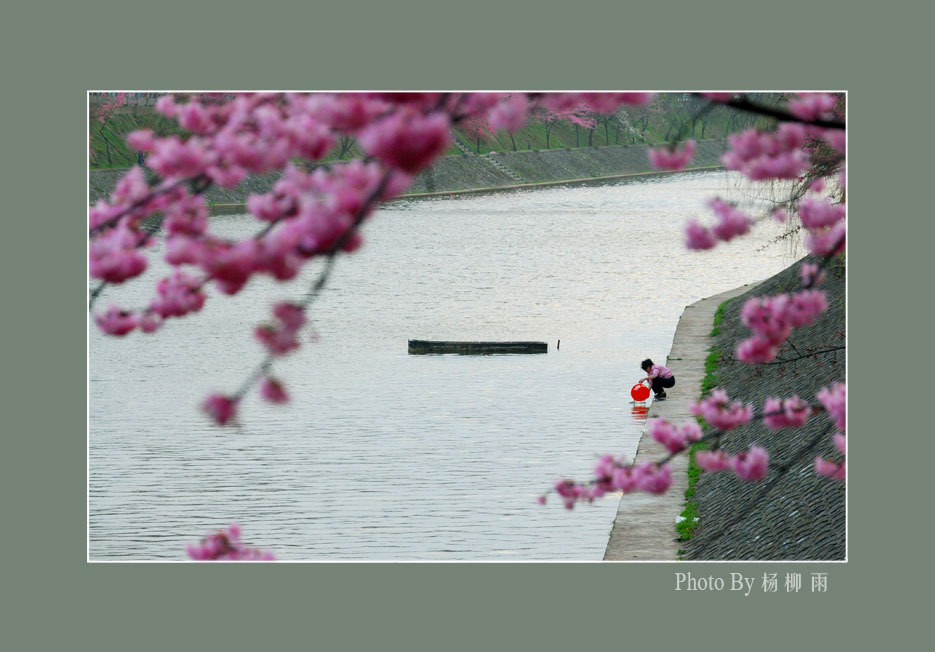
{"points": [[660, 377]]}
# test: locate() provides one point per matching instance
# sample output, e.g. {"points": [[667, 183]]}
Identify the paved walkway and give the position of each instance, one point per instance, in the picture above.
{"points": [[644, 529]]}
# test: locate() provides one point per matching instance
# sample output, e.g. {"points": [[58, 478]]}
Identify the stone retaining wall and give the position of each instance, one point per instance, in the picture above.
{"points": [[468, 171]]}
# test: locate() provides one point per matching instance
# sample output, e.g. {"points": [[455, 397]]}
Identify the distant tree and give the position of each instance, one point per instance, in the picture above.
{"points": [[578, 116]]}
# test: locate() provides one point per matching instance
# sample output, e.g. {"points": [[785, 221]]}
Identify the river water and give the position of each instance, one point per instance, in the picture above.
{"points": [[383, 455]]}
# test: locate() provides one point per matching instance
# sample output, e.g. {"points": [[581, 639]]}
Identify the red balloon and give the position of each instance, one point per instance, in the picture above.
{"points": [[639, 392]]}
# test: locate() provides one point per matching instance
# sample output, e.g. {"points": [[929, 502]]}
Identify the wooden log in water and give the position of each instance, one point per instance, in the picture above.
{"points": [[476, 348]]}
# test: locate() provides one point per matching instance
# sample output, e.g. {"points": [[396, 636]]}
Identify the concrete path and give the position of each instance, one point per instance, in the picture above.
{"points": [[644, 529]]}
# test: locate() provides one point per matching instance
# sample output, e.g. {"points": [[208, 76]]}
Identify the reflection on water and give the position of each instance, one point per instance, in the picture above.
{"points": [[639, 411], [383, 455]]}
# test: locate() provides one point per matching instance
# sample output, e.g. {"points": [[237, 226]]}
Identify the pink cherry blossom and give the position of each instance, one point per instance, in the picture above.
{"points": [[150, 322], [273, 391], [712, 461], [509, 114], [732, 221], [826, 242], [225, 545], [792, 412], [114, 255], [116, 321], [179, 295], [834, 399], [811, 274], [653, 478], [811, 106], [840, 442], [407, 140], [717, 410], [751, 465], [820, 213], [698, 236], [756, 349], [220, 408], [672, 158], [830, 469], [763, 155], [278, 341]]}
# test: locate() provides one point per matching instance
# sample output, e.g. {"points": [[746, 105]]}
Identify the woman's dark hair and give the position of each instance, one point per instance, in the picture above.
{"points": [[646, 364]]}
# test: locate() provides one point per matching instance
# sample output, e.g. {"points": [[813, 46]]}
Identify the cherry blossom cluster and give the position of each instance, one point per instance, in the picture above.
{"points": [[674, 438], [772, 318], [791, 412], [722, 413], [732, 222], [672, 157], [615, 474], [225, 545], [762, 155], [749, 465], [308, 213]]}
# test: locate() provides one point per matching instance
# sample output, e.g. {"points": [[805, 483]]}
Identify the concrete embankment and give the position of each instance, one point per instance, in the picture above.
{"points": [[793, 513], [473, 173], [644, 529]]}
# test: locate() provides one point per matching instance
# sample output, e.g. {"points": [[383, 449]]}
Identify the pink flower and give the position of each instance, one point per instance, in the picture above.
{"points": [[141, 140], [116, 321], [406, 139], [698, 236], [830, 469], [713, 460], [811, 274], [789, 413], [114, 255], [179, 295], [653, 479], [840, 442], [188, 216], [672, 158], [674, 438], [820, 213], [182, 249], [509, 114], [732, 221], [834, 399], [226, 546], [171, 157], [291, 315], [194, 117], [220, 408], [751, 465], [150, 322], [667, 435], [836, 138], [827, 241], [763, 155], [720, 413], [624, 479], [811, 106], [756, 349], [131, 187], [273, 391], [780, 215], [231, 265], [278, 341]]}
